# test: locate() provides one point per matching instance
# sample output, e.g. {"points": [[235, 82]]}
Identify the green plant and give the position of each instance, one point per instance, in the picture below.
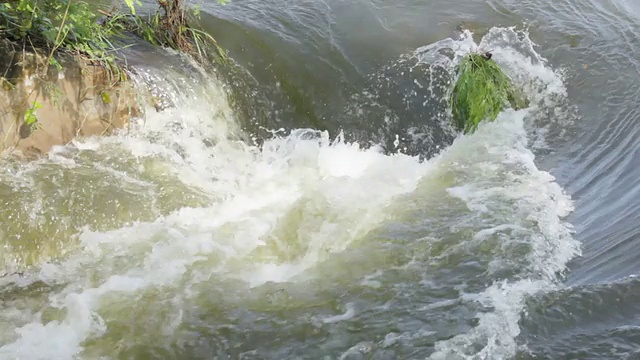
{"points": [[31, 117], [52, 23], [481, 91], [170, 27], [105, 97], [72, 25]]}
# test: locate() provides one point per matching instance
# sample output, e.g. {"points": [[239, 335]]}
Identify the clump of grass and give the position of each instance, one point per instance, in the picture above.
{"points": [[480, 93], [56, 25], [171, 27], [49, 27], [72, 25]]}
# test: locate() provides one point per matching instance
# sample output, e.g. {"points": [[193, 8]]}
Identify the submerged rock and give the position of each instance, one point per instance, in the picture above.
{"points": [[50, 102]]}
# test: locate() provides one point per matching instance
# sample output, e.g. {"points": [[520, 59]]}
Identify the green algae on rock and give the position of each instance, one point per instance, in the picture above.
{"points": [[481, 91]]}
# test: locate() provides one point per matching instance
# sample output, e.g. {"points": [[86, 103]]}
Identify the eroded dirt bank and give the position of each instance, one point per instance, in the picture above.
{"points": [[44, 103]]}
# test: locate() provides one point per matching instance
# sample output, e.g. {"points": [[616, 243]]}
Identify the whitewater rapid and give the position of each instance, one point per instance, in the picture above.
{"points": [[196, 222]]}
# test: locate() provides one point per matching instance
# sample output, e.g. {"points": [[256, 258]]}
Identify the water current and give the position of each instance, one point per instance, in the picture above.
{"points": [[315, 203]]}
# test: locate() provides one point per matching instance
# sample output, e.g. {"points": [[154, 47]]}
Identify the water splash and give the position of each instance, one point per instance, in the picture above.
{"points": [[204, 224], [266, 214], [519, 204]]}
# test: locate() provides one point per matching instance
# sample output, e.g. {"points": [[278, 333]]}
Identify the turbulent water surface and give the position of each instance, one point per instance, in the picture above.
{"points": [[313, 202]]}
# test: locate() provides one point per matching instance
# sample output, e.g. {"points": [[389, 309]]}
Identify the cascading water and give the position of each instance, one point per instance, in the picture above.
{"points": [[179, 239]]}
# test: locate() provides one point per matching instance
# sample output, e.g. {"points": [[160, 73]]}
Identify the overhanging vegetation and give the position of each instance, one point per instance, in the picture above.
{"points": [[72, 25], [48, 28]]}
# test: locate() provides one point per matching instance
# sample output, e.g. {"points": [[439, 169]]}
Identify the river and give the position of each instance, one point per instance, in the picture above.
{"points": [[314, 203]]}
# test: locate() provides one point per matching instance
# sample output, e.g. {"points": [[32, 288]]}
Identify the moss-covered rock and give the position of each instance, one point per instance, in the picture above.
{"points": [[481, 91]]}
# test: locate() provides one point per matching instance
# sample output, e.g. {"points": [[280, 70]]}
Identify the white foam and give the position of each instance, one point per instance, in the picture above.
{"points": [[331, 192], [509, 198], [348, 314], [503, 186], [277, 211]]}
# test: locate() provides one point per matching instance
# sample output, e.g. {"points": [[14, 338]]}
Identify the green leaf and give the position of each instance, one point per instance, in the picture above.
{"points": [[131, 6], [54, 62], [30, 116], [105, 97]]}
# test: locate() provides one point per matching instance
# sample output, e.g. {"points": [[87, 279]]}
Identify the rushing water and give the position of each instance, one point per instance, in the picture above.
{"points": [[329, 211]]}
